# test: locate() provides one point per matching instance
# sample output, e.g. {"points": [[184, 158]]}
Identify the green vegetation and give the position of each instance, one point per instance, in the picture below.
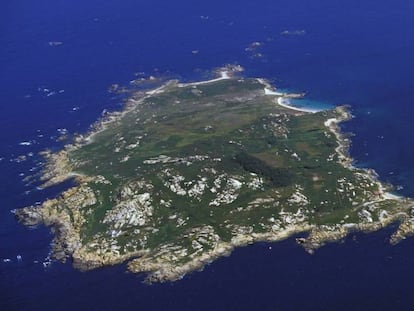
{"points": [[240, 135], [190, 167]]}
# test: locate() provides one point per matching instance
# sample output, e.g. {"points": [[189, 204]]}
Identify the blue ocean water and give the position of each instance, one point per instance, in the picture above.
{"points": [[351, 52]]}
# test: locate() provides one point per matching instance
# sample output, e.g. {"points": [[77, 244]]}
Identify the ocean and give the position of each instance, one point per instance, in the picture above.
{"points": [[57, 61]]}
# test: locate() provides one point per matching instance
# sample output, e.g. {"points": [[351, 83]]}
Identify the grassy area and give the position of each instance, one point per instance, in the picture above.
{"points": [[222, 156]]}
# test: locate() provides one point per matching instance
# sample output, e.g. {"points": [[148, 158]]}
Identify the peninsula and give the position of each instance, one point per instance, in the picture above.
{"points": [[188, 172]]}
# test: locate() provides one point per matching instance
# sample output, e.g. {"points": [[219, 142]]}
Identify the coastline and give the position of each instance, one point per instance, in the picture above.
{"points": [[283, 97], [281, 102], [224, 75], [67, 236]]}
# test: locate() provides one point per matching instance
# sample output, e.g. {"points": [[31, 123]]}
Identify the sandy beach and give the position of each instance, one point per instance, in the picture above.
{"points": [[282, 102], [224, 75]]}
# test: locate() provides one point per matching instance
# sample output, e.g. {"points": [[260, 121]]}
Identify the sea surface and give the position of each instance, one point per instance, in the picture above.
{"points": [[57, 60]]}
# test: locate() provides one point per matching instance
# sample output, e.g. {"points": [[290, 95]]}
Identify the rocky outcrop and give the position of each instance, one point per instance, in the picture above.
{"points": [[172, 214]]}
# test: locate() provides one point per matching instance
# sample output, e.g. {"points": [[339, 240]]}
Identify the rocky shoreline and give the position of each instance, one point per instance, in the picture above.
{"points": [[66, 223]]}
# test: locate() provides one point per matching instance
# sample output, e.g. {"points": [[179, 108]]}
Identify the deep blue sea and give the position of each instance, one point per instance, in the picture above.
{"points": [[57, 60]]}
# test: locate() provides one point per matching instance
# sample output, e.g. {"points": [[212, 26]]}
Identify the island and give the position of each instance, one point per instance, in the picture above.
{"points": [[187, 172]]}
